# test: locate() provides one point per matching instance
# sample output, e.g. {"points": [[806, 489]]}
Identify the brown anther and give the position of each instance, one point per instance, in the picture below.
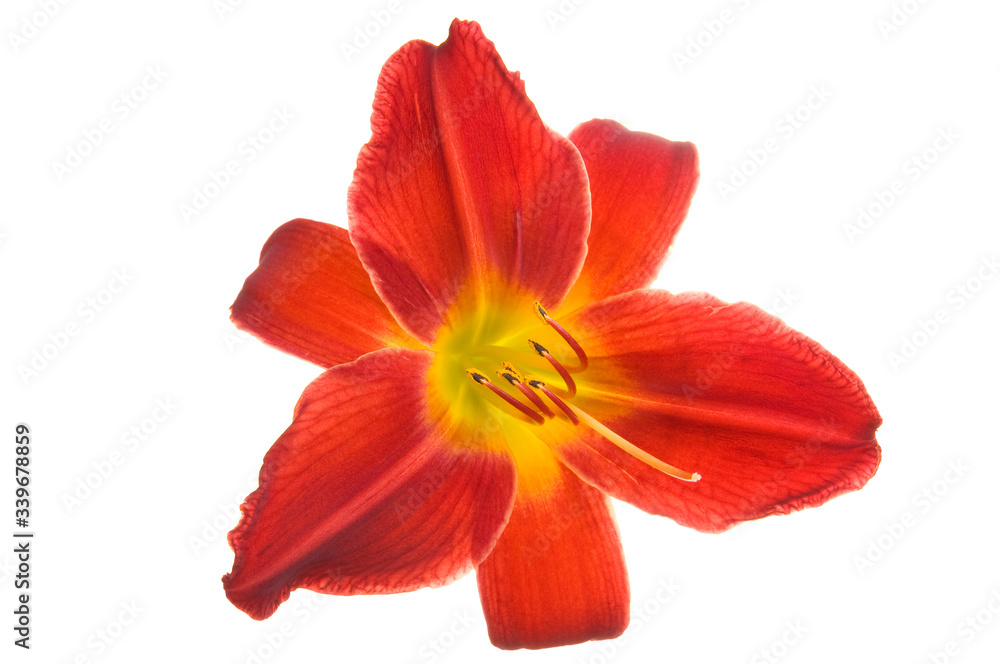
{"points": [[570, 383], [548, 320], [480, 378], [540, 386], [511, 376], [477, 377]]}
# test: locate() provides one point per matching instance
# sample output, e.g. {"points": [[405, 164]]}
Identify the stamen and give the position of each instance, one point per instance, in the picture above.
{"points": [[507, 367], [479, 377], [539, 385], [548, 320], [511, 375], [570, 384], [631, 449]]}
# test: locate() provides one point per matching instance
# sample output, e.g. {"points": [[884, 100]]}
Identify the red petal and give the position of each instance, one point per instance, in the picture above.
{"points": [[640, 186], [364, 494], [770, 419], [462, 189], [311, 297], [557, 574]]}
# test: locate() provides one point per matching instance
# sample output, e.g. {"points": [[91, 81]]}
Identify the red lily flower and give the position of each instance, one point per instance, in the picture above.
{"points": [[496, 367]]}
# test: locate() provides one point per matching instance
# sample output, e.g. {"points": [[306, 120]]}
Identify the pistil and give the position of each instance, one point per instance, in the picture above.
{"points": [[634, 451]]}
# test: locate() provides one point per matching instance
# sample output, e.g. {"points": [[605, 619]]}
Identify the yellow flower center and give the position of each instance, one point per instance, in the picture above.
{"points": [[503, 374]]}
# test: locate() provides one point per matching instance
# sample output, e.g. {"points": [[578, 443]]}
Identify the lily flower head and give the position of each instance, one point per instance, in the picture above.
{"points": [[497, 367]]}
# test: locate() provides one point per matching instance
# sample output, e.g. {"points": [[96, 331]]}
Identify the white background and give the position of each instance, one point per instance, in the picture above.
{"points": [[151, 534]]}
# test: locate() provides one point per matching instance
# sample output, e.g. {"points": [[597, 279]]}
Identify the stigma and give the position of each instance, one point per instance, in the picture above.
{"points": [[537, 395]]}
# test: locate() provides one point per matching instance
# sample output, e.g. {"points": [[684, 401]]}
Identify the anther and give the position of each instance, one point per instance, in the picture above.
{"points": [[540, 386], [548, 320], [479, 377], [510, 374], [541, 350]]}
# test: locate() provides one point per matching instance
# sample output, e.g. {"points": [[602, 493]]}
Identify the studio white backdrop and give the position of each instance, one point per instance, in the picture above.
{"points": [[848, 185]]}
